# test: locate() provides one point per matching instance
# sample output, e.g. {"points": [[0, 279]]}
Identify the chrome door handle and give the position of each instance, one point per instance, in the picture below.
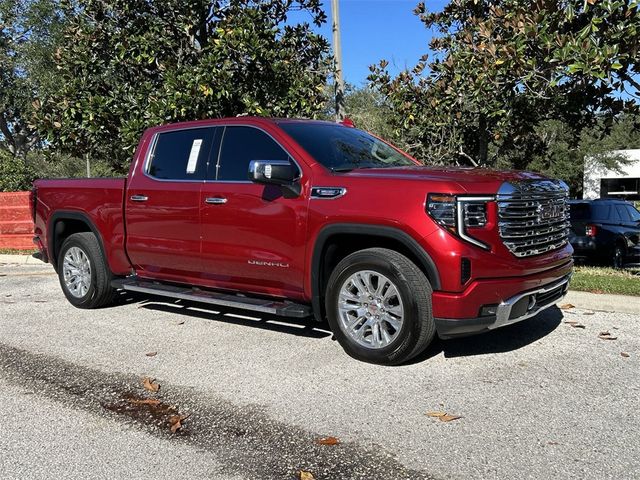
{"points": [[139, 198], [215, 200]]}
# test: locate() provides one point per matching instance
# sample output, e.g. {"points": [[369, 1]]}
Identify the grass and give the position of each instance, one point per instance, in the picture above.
{"points": [[606, 280], [13, 251]]}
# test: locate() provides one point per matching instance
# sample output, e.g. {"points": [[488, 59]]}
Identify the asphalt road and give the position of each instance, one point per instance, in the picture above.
{"points": [[541, 399]]}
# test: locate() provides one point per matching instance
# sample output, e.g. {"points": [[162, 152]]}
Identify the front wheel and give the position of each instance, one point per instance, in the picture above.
{"points": [[83, 272], [378, 305]]}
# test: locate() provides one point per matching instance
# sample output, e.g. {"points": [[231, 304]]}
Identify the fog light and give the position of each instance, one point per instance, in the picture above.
{"points": [[488, 310]]}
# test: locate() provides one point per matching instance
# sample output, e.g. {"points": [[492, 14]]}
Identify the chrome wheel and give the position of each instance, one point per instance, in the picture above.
{"points": [[76, 270], [370, 309]]}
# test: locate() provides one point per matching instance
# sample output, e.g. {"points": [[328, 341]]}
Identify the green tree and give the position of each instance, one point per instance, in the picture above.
{"points": [[125, 65], [28, 30], [503, 69]]}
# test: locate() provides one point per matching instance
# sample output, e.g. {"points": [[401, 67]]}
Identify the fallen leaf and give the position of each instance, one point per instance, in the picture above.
{"points": [[553, 443], [306, 475], [150, 384], [624, 354], [588, 313], [151, 354], [144, 401], [175, 421], [566, 306], [328, 441], [443, 416], [606, 336], [180, 323], [574, 324], [435, 414], [449, 418]]}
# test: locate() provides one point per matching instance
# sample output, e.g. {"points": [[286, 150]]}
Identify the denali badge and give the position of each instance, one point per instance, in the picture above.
{"points": [[268, 264]]}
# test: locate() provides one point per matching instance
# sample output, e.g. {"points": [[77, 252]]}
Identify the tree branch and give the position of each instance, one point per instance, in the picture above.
{"points": [[468, 157], [8, 136], [630, 80]]}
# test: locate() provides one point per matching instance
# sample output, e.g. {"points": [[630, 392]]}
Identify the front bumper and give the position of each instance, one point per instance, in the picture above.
{"points": [[516, 308]]}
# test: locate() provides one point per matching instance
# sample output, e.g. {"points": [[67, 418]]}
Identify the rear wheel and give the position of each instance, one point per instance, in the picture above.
{"points": [[617, 257], [378, 305], [84, 275]]}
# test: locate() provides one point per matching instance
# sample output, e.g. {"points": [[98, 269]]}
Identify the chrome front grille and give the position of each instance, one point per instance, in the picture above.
{"points": [[533, 216]]}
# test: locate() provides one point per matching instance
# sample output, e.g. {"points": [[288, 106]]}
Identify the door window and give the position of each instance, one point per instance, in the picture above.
{"points": [[635, 214], [181, 154], [240, 145], [623, 213]]}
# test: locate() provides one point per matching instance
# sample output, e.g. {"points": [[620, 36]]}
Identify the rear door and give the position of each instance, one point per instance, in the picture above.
{"points": [[163, 205], [253, 236]]}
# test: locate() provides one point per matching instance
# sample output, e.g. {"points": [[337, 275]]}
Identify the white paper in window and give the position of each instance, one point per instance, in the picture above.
{"points": [[193, 156]]}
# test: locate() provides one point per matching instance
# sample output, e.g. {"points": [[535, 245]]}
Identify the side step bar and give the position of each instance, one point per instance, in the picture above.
{"points": [[280, 308]]}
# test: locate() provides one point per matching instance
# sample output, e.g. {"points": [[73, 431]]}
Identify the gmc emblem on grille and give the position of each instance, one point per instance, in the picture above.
{"points": [[548, 212]]}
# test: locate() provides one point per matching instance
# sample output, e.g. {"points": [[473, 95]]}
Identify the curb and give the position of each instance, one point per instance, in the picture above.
{"points": [[603, 302], [20, 259]]}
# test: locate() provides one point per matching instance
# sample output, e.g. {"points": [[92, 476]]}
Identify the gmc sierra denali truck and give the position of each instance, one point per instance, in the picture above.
{"points": [[298, 218]]}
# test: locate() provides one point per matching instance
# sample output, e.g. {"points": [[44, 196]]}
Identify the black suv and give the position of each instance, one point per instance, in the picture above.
{"points": [[606, 231]]}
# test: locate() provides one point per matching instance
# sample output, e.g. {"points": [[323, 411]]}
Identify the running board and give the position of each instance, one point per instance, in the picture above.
{"points": [[280, 308]]}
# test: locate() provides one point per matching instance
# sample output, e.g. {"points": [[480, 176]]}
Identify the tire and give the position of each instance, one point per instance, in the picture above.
{"points": [[617, 257], [84, 253], [382, 344]]}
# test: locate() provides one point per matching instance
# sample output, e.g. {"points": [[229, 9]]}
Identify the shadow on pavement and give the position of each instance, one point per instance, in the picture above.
{"points": [[505, 339], [305, 327]]}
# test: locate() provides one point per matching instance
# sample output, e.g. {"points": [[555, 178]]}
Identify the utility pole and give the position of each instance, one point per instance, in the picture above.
{"points": [[88, 165], [337, 55]]}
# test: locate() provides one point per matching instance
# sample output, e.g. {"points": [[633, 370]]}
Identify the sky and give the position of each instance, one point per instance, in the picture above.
{"points": [[373, 30]]}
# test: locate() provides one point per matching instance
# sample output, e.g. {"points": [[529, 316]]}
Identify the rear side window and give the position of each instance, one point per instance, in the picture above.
{"points": [[579, 211], [181, 154], [601, 212], [240, 145]]}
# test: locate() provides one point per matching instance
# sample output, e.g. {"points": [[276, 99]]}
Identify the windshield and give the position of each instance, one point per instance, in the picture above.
{"points": [[341, 148]]}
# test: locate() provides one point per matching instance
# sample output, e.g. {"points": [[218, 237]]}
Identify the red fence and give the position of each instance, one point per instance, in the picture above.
{"points": [[16, 225]]}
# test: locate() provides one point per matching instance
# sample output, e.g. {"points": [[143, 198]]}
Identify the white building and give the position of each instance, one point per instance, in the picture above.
{"points": [[600, 182]]}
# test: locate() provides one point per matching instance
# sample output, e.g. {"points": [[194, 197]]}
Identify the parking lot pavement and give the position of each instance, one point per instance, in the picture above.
{"points": [[540, 399]]}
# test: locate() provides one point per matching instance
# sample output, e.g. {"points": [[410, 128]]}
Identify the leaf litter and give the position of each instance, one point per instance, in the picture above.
{"points": [[328, 441], [606, 335], [150, 385], [443, 416], [574, 324]]}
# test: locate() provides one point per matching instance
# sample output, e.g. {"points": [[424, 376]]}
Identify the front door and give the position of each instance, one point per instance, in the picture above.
{"points": [[253, 238], [163, 205]]}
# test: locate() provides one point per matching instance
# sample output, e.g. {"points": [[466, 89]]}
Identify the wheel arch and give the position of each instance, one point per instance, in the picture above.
{"points": [[64, 223], [336, 241]]}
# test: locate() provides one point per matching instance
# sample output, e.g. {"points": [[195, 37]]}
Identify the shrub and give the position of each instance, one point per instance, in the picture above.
{"points": [[15, 174]]}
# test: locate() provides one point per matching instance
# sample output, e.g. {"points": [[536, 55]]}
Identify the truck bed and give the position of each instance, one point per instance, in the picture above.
{"points": [[96, 201]]}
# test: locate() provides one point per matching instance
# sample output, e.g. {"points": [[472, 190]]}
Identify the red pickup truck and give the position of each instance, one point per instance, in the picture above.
{"points": [[298, 218]]}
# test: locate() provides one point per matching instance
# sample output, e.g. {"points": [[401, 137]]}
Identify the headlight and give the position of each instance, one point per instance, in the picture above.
{"points": [[458, 213], [442, 209]]}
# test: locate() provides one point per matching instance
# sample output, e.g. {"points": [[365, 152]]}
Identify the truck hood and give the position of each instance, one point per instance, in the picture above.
{"points": [[471, 180]]}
